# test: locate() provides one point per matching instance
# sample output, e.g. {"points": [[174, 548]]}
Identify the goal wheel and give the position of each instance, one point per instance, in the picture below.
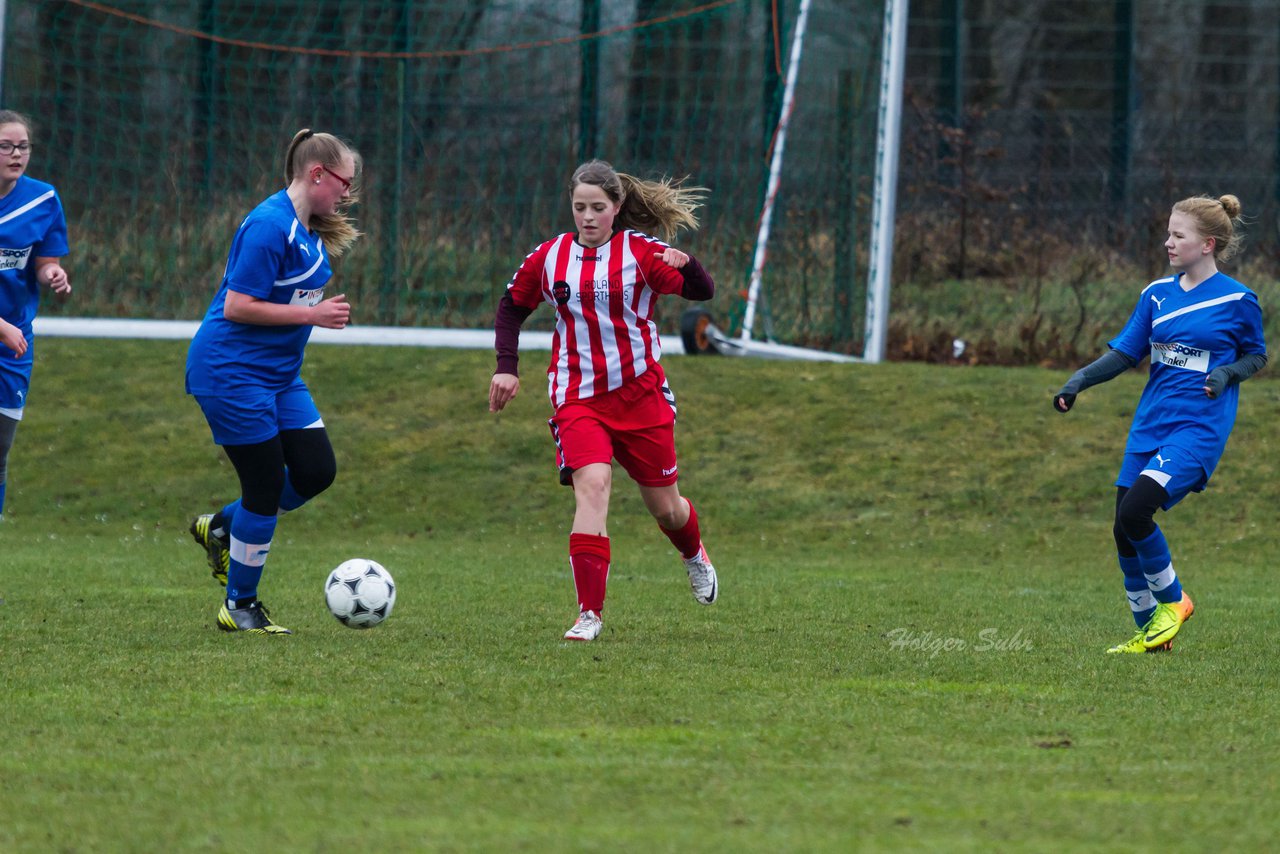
{"points": [[694, 325]]}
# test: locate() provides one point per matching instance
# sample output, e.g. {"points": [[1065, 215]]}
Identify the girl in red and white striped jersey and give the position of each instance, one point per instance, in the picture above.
{"points": [[608, 390]]}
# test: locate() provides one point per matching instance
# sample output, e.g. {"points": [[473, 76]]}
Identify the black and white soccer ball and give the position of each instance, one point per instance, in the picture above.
{"points": [[360, 593]]}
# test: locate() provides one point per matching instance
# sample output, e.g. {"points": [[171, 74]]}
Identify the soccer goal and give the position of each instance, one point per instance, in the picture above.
{"points": [[699, 332], [470, 117]]}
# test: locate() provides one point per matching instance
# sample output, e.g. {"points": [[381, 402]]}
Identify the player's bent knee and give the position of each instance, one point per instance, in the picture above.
{"points": [[1137, 510], [1136, 521], [314, 478], [593, 479], [669, 517]]}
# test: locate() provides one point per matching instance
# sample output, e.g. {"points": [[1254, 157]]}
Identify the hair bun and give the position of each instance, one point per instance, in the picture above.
{"points": [[1230, 204]]}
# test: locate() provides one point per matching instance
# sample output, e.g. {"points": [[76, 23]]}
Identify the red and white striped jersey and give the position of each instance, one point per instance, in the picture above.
{"points": [[605, 335]]}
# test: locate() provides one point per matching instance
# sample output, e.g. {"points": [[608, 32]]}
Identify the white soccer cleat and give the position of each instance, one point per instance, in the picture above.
{"points": [[587, 627], [702, 577]]}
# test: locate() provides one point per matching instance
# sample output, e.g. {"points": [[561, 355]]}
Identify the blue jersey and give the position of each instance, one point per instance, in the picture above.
{"points": [[32, 225], [1188, 334], [274, 258]]}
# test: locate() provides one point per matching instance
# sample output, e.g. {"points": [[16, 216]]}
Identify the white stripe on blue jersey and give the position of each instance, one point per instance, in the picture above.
{"points": [[302, 276], [1209, 303], [28, 206]]}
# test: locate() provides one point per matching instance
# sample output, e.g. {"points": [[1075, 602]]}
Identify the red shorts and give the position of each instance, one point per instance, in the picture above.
{"points": [[634, 424]]}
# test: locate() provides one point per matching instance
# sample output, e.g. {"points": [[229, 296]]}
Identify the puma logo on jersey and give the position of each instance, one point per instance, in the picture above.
{"points": [[1159, 302], [305, 248]]}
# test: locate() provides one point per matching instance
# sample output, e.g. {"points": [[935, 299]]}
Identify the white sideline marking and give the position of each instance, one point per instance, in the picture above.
{"points": [[402, 336]]}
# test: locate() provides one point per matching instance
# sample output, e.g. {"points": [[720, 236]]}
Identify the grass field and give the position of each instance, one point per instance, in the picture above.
{"points": [[917, 579]]}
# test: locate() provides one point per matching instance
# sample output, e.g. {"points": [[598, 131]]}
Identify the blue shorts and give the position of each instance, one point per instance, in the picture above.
{"points": [[247, 419], [1171, 467], [15, 379]]}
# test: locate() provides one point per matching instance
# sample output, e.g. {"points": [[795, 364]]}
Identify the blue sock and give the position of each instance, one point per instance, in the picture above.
{"points": [[289, 497], [1157, 566], [1141, 602], [250, 542], [289, 500], [2, 485], [228, 516]]}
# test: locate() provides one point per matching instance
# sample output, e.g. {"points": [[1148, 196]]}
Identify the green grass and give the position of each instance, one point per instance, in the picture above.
{"points": [[845, 507]]}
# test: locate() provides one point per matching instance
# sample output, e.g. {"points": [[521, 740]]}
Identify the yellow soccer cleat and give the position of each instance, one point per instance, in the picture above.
{"points": [[252, 618], [1166, 622], [1135, 645], [216, 549]]}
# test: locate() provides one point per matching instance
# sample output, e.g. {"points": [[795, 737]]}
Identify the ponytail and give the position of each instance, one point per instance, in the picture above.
{"points": [[661, 207], [337, 229]]}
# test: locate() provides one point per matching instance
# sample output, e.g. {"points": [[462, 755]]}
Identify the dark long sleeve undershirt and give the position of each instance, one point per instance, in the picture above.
{"points": [[1108, 366], [1113, 363], [698, 285], [506, 333]]}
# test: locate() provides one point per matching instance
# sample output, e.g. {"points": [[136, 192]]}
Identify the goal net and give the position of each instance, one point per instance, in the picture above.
{"points": [[162, 122]]}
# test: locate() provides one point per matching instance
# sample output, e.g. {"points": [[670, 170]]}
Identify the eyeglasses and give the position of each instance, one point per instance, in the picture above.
{"points": [[346, 185], [7, 147]]}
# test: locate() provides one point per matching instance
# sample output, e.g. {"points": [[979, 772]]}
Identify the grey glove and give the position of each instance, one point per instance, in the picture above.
{"points": [[1237, 372]]}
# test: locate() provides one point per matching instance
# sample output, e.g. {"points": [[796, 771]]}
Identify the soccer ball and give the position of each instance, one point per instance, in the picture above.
{"points": [[360, 593]]}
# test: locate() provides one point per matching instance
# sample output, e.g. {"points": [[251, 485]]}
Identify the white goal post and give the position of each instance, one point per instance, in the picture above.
{"points": [[888, 143], [888, 139]]}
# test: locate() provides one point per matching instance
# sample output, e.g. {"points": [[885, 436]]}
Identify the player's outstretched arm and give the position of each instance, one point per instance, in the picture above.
{"points": [[1110, 365], [1237, 372]]}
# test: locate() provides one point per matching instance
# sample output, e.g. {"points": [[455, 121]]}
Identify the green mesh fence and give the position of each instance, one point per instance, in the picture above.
{"points": [[163, 122]]}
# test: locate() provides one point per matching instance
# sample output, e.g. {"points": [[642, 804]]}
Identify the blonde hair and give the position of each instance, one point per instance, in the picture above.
{"points": [[662, 207], [337, 229], [1216, 218]]}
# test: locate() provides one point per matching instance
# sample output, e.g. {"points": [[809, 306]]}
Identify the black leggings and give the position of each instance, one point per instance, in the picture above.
{"points": [[1136, 508], [8, 427], [261, 467]]}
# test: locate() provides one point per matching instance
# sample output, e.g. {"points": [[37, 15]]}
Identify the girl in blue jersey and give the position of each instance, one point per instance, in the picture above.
{"points": [[1203, 332], [33, 236], [244, 363]]}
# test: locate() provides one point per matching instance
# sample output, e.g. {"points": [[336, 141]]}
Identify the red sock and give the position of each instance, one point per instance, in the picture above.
{"points": [[589, 557], [688, 539]]}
